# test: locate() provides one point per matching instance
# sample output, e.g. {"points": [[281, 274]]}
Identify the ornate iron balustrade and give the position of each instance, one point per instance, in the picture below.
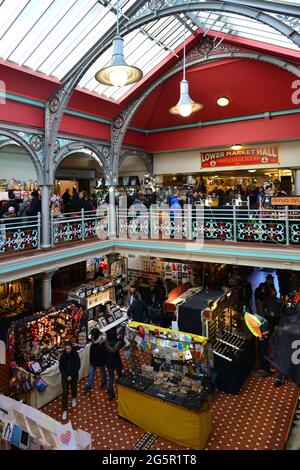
{"points": [[19, 234], [80, 226], [233, 224]]}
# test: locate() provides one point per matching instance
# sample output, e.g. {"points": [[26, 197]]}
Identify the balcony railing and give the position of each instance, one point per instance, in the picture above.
{"points": [[19, 234], [232, 224], [84, 225], [201, 224]]}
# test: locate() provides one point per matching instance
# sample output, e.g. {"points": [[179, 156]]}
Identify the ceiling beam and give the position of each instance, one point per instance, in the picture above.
{"points": [[157, 41], [270, 7], [185, 24]]}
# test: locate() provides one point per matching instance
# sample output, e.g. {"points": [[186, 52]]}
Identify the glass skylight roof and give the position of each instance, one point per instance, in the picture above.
{"points": [[50, 36]]}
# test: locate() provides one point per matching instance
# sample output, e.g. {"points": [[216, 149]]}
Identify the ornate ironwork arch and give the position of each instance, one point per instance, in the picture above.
{"points": [[122, 121], [146, 157], [99, 156], [12, 136], [140, 14]]}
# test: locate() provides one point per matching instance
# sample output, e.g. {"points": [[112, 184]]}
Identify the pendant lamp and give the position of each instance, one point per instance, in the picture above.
{"points": [[119, 73], [185, 106]]}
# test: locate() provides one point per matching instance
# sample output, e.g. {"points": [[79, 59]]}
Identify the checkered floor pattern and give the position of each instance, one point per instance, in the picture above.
{"points": [[259, 418]]}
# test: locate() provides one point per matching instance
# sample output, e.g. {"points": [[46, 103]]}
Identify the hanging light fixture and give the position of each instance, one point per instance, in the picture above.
{"points": [[118, 73], [185, 106]]}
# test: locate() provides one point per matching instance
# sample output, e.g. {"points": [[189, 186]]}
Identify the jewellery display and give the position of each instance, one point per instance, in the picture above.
{"points": [[36, 342]]}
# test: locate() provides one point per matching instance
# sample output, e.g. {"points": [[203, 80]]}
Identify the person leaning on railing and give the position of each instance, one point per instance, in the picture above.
{"points": [[35, 205]]}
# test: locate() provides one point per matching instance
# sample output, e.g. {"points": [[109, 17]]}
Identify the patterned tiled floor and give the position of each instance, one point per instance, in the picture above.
{"points": [[258, 418]]}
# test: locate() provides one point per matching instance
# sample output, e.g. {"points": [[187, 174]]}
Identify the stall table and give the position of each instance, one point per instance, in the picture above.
{"points": [[52, 377], [186, 427]]}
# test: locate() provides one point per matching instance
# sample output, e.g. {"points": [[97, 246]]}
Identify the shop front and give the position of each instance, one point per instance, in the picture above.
{"points": [[240, 172]]}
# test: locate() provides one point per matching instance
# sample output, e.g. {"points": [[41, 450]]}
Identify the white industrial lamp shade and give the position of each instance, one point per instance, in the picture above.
{"points": [[185, 106], [118, 74]]}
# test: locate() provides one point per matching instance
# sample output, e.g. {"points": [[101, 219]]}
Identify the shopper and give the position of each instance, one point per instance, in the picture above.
{"points": [[87, 203], [272, 309], [137, 310], [10, 220], [77, 202], [113, 344], [130, 296], [260, 295], [245, 295], [159, 292], [97, 358], [146, 292], [66, 199], [10, 203], [35, 206], [69, 365], [155, 314], [24, 206]]}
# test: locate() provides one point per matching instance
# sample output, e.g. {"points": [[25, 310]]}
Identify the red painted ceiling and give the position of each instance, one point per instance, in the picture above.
{"points": [[252, 87]]}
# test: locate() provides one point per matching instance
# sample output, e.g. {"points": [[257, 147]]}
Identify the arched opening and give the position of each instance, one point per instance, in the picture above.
{"points": [[79, 170], [133, 171], [18, 173]]}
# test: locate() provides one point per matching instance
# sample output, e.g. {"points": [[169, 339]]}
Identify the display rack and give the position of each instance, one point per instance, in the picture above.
{"points": [[233, 347]]}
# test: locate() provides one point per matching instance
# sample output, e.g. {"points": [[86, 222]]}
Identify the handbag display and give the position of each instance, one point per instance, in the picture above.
{"points": [[25, 384], [40, 385]]}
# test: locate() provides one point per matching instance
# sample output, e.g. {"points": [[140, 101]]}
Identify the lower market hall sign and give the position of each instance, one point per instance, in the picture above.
{"points": [[246, 156]]}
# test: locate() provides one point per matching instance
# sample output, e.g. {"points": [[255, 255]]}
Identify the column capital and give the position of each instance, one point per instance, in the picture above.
{"points": [[47, 275]]}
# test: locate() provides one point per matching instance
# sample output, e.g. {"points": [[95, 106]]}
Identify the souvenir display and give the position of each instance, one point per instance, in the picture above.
{"points": [[179, 363]]}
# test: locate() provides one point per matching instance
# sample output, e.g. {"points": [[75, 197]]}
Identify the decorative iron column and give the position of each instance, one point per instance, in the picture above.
{"points": [[47, 288], [112, 214], [297, 182], [46, 241]]}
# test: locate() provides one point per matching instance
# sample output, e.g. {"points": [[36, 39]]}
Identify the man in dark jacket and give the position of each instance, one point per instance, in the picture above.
{"points": [[66, 198], [113, 345], [11, 203], [146, 292], [155, 314], [97, 358], [35, 206], [69, 365], [137, 310], [77, 202]]}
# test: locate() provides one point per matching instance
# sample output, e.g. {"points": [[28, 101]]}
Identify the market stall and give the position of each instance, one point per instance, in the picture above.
{"points": [[35, 344], [98, 300], [213, 314], [170, 397]]}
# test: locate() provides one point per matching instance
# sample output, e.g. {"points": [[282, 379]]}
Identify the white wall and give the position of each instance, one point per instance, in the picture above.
{"points": [[189, 161], [16, 163]]}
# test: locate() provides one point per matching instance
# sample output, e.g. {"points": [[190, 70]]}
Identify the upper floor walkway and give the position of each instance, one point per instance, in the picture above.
{"points": [[269, 238]]}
